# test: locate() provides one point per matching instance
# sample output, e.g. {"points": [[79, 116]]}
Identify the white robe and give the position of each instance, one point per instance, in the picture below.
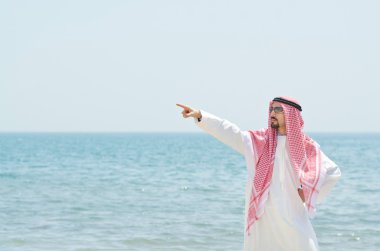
{"points": [[285, 224]]}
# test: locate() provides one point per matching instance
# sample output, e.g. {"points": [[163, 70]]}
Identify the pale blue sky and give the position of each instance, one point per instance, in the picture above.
{"points": [[122, 65]]}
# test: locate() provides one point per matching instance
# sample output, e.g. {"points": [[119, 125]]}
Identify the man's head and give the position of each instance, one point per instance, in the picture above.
{"points": [[279, 109]]}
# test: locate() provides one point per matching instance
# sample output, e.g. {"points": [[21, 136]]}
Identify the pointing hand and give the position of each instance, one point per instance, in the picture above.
{"points": [[190, 112]]}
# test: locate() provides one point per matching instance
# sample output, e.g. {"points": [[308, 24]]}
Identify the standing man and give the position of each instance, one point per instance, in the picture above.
{"points": [[288, 175]]}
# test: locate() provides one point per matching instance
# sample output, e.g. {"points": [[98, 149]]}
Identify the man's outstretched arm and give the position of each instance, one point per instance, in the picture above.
{"points": [[221, 129]]}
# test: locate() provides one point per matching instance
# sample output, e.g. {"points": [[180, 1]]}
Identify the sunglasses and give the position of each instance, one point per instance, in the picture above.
{"points": [[276, 109]]}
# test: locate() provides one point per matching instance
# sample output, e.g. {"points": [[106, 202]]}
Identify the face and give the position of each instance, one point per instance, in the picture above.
{"points": [[277, 118]]}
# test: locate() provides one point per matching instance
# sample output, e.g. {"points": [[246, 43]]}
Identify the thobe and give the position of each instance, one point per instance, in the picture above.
{"points": [[285, 224]]}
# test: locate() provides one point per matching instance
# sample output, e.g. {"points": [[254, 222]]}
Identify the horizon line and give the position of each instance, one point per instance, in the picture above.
{"points": [[125, 132]]}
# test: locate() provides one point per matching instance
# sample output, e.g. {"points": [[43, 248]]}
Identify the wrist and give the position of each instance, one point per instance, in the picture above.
{"points": [[199, 116]]}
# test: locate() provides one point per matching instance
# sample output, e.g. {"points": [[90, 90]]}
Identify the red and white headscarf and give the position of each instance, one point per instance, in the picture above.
{"points": [[304, 155]]}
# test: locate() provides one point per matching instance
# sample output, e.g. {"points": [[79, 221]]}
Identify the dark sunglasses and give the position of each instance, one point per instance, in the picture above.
{"points": [[276, 109]]}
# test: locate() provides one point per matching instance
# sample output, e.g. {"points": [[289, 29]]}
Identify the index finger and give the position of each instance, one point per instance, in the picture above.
{"points": [[183, 106]]}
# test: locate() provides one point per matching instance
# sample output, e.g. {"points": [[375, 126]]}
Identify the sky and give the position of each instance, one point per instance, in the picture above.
{"points": [[121, 66]]}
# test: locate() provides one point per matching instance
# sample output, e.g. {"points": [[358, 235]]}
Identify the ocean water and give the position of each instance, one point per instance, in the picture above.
{"points": [[163, 191]]}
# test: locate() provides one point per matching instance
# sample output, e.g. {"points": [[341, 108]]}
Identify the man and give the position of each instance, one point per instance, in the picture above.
{"points": [[288, 175]]}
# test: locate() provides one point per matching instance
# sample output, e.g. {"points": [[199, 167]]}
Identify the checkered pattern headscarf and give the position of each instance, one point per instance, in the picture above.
{"points": [[304, 154]]}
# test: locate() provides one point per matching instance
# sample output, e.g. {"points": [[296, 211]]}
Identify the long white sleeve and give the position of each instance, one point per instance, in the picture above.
{"points": [[223, 130], [332, 176]]}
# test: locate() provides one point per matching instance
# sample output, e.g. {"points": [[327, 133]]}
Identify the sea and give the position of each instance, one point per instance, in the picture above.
{"points": [[163, 191]]}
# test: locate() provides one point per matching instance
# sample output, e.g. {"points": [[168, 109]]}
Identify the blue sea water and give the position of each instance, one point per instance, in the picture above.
{"points": [[163, 191]]}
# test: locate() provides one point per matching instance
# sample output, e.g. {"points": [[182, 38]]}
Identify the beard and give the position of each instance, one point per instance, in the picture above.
{"points": [[274, 124]]}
